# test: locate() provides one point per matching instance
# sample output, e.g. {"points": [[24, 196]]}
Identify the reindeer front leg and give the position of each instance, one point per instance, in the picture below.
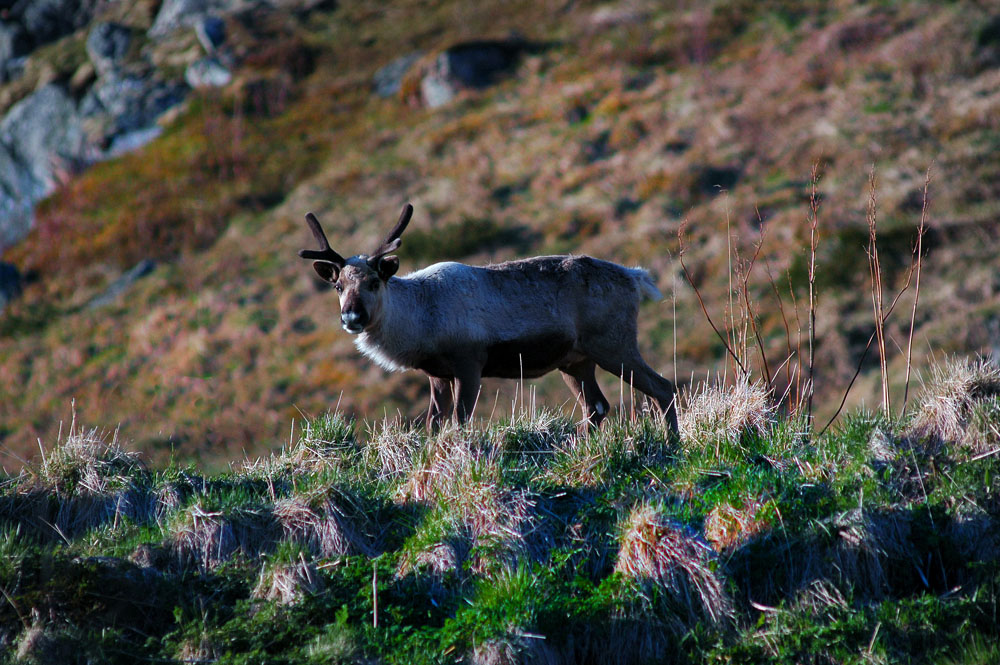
{"points": [[467, 382], [441, 402]]}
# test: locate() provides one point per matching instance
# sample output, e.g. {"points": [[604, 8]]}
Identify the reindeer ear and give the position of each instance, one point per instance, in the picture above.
{"points": [[327, 271], [387, 267]]}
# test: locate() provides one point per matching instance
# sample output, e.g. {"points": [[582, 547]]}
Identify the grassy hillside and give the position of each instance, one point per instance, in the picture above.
{"points": [[622, 123], [745, 540]]}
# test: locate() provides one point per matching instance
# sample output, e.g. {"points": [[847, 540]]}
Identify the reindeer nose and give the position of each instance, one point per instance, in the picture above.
{"points": [[353, 322]]}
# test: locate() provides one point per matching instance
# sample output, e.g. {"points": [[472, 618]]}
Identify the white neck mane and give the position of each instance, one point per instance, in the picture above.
{"points": [[394, 342]]}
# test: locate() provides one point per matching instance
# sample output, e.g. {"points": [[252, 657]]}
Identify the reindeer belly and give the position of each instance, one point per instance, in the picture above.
{"points": [[528, 357]]}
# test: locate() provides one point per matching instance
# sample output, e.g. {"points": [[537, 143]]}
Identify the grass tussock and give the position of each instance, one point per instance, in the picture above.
{"points": [[328, 442], [477, 515], [959, 404], [597, 459], [95, 480], [725, 413], [323, 524], [288, 582], [672, 571], [210, 538]]}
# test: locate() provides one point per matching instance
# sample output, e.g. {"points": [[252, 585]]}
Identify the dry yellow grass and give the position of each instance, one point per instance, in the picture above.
{"points": [[725, 412], [672, 569], [956, 405]]}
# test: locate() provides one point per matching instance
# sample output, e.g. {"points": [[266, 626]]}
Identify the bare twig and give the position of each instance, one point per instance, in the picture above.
{"points": [[731, 324], [746, 301], [875, 269], [784, 321], [814, 202], [864, 355], [701, 301], [374, 594], [921, 230], [798, 344], [988, 453]]}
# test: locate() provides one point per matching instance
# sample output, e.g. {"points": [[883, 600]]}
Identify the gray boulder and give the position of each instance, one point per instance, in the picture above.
{"points": [[473, 65], [176, 14], [211, 32], [47, 20], [107, 45], [303, 6], [207, 73], [10, 284], [12, 45], [124, 103], [388, 80], [122, 284], [41, 141], [18, 193]]}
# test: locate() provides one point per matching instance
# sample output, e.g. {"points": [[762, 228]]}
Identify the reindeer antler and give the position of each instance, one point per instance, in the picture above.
{"points": [[325, 252], [392, 241]]}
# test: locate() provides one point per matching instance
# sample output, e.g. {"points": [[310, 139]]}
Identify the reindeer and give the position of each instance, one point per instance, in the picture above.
{"points": [[518, 319]]}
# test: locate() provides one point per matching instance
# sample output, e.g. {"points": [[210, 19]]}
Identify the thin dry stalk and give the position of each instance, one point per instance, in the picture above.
{"points": [[784, 322], [731, 323], [876, 289], [864, 354], [814, 202], [798, 347], [749, 309], [921, 230], [701, 301], [885, 316]]}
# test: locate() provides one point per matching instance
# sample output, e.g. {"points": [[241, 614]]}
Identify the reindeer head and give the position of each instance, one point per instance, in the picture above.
{"points": [[359, 280]]}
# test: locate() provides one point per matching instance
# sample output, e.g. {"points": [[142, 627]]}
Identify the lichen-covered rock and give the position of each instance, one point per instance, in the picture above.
{"points": [[471, 65], [47, 20], [388, 80], [122, 284], [18, 193], [107, 45], [207, 73], [123, 103], [41, 142], [12, 45], [211, 32], [10, 284], [176, 14]]}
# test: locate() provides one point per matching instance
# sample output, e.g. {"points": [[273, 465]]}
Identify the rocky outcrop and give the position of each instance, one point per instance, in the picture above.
{"points": [[10, 284], [109, 105], [41, 142], [107, 45], [175, 14], [12, 46], [389, 79], [121, 103], [46, 20], [471, 65], [122, 284], [47, 137], [207, 73]]}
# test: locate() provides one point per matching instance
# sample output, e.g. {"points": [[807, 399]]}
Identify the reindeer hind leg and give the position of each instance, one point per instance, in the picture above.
{"points": [[581, 380], [630, 366]]}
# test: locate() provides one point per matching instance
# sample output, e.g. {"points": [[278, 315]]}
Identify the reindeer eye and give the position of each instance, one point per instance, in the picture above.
{"points": [[339, 287]]}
